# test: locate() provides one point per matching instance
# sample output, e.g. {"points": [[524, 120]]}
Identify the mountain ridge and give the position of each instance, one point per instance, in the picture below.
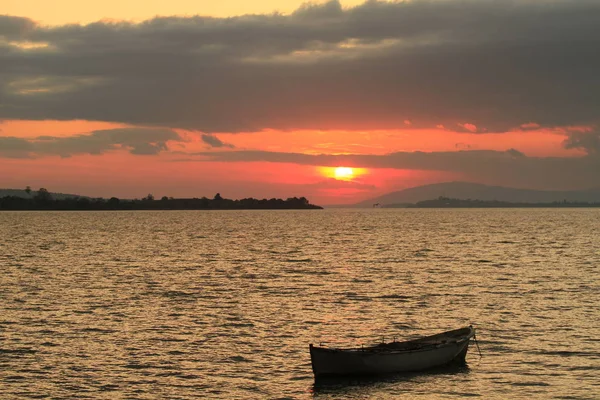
{"points": [[478, 191]]}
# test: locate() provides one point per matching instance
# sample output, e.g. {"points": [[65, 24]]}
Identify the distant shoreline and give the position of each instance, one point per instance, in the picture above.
{"points": [[445, 202], [45, 202]]}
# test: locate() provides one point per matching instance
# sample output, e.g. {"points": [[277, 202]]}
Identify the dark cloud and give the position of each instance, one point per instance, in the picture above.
{"points": [[509, 168], [487, 64], [15, 27], [587, 141], [214, 141], [12, 147], [139, 141]]}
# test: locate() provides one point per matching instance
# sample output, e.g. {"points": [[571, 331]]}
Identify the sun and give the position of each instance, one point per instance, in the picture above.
{"points": [[348, 174], [343, 173]]}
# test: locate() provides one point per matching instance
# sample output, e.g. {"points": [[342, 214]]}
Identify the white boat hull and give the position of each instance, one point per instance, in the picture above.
{"points": [[380, 360]]}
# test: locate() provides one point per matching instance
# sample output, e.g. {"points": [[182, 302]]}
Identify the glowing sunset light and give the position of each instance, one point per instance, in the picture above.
{"points": [[344, 173], [348, 174], [270, 101]]}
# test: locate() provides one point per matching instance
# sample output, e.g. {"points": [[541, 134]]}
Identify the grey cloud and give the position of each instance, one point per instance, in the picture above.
{"points": [[312, 11], [15, 27], [214, 141], [588, 141], [145, 149], [138, 141], [510, 168], [492, 64], [12, 147]]}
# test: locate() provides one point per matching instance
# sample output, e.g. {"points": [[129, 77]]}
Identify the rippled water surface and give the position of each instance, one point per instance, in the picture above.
{"points": [[188, 304]]}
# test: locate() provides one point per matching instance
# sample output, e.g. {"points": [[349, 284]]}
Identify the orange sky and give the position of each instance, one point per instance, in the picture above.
{"points": [[59, 12], [272, 151], [118, 173]]}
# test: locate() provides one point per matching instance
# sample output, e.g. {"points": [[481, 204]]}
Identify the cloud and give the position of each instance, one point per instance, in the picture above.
{"points": [[495, 64], [214, 141], [510, 168], [15, 27], [138, 141], [12, 147], [530, 126], [468, 128], [587, 141]]}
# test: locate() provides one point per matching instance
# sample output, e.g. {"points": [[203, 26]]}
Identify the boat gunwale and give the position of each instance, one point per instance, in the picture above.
{"points": [[383, 349]]}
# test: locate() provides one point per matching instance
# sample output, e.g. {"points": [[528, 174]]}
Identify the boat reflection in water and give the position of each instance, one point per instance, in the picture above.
{"points": [[364, 386], [414, 355]]}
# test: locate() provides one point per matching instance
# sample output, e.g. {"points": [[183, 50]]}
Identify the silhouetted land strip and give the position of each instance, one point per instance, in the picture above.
{"points": [[44, 201], [445, 202]]}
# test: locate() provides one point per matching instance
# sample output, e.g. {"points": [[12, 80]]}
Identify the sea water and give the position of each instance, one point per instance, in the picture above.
{"points": [[223, 304]]}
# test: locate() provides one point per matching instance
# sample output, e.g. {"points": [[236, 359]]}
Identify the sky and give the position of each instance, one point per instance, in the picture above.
{"points": [[336, 101]]}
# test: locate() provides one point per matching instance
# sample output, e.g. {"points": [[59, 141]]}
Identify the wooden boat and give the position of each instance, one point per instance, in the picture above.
{"points": [[394, 357]]}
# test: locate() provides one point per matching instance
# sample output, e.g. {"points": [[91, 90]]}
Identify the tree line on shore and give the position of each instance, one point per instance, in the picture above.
{"points": [[43, 200]]}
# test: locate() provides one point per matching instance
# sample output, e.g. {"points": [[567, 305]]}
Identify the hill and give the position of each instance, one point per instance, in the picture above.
{"points": [[476, 191]]}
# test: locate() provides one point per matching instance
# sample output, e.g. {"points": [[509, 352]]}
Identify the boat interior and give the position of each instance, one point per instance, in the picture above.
{"points": [[433, 340]]}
